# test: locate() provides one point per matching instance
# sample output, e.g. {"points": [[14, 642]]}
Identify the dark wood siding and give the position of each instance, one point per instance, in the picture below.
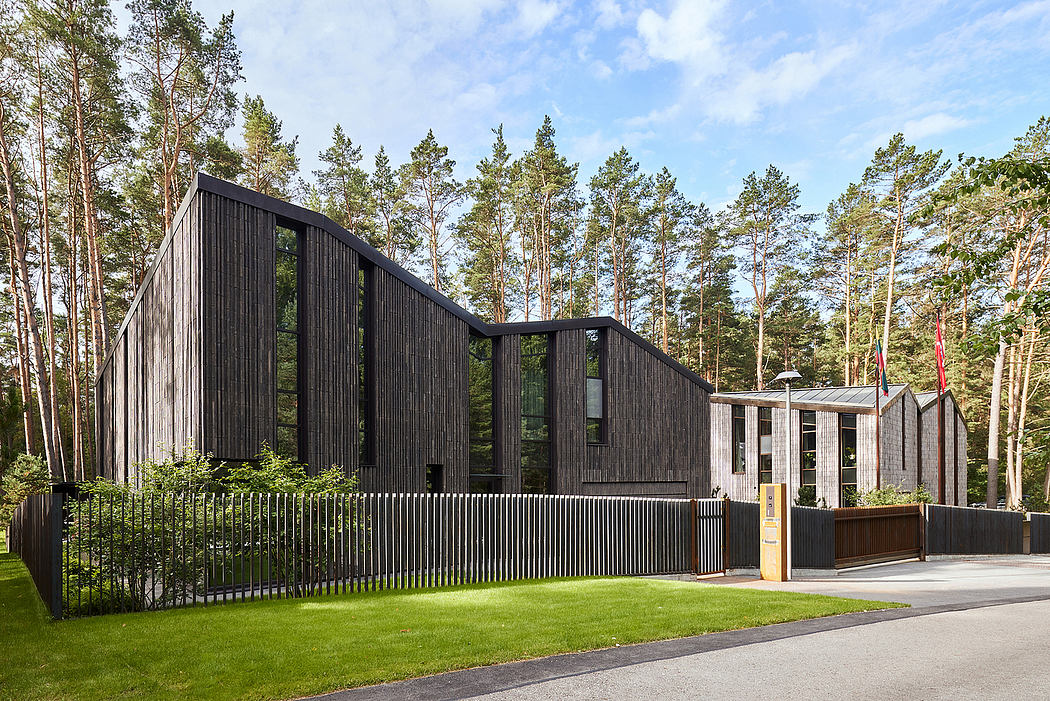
{"points": [[657, 427], [421, 390], [239, 329], [149, 386], [329, 350], [507, 381], [195, 363]]}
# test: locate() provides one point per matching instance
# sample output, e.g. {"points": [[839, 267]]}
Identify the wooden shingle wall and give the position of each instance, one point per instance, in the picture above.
{"points": [[828, 458]]}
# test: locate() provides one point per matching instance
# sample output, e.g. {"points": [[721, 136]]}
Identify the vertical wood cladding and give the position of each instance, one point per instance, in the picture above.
{"points": [[148, 389], [657, 426], [421, 390], [569, 419], [239, 329], [507, 398], [329, 351]]}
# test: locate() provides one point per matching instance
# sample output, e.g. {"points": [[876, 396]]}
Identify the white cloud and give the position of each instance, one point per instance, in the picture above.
{"points": [[932, 125], [721, 79], [535, 15], [610, 14], [789, 77]]}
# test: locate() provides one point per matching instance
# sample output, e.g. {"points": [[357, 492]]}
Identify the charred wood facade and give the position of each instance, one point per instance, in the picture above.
{"points": [[234, 341]]}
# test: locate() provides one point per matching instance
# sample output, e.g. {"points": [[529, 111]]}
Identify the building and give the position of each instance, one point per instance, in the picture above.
{"points": [[839, 448], [262, 322]]}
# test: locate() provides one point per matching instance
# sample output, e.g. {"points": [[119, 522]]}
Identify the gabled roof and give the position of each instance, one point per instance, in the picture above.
{"points": [[828, 398], [286, 210], [928, 400]]}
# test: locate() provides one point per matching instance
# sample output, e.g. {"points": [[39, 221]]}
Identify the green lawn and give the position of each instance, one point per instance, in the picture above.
{"points": [[283, 649]]}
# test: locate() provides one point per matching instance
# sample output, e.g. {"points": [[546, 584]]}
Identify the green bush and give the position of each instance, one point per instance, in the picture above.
{"points": [[892, 495], [26, 476], [150, 547], [807, 496]]}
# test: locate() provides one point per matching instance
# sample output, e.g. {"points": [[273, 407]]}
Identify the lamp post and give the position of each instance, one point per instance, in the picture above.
{"points": [[787, 377]]}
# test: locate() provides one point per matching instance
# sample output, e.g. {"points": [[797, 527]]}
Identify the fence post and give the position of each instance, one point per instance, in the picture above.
{"points": [[55, 554], [922, 532], [725, 533], [693, 526]]}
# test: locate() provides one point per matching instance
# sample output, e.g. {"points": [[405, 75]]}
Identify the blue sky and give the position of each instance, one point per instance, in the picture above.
{"points": [[713, 90]]}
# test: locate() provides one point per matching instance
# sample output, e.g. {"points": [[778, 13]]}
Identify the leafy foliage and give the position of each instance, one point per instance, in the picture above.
{"points": [[890, 495], [27, 475]]}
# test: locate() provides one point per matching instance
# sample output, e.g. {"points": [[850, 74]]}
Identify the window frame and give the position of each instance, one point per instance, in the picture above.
{"points": [[296, 254], [765, 475], [546, 420], [847, 496], [802, 451], [738, 446], [601, 422], [493, 481]]}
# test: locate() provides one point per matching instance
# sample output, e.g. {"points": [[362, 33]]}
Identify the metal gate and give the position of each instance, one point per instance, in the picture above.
{"points": [[710, 535], [865, 535]]}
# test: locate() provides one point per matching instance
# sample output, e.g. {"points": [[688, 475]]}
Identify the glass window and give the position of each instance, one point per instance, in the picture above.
{"points": [[765, 445], [808, 446], [535, 414], [435, 479], [483, 477], [595, 386], [365, 435], [739, 438], [848, 459], [286, 301]]}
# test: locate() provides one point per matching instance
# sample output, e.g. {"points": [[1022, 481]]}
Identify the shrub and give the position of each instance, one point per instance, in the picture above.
{"points": [[26, 476], [891, 495], [151, 547], [807, 496]]}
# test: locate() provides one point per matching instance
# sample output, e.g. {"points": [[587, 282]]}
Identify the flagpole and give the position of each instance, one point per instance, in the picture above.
{"points": [[878, 441], [940, 428]]}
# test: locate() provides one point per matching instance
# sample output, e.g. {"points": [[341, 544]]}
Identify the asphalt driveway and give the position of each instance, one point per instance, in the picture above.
{"points": [[977, 628]]}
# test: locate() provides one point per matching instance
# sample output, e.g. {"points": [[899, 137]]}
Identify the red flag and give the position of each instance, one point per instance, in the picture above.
{"points": [[880, 369], [939, 352]]}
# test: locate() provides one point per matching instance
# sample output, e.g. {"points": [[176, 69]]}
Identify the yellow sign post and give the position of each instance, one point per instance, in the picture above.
{"points": [[772, 532]]}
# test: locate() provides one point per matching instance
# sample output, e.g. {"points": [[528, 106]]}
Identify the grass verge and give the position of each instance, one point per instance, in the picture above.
{"points": [[291, 648]]}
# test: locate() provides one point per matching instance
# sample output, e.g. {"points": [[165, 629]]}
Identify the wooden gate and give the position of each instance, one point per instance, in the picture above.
{"points": [[865, 535]]}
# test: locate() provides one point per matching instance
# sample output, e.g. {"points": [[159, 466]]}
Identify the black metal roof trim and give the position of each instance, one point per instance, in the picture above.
{"points": [[285, 210]]}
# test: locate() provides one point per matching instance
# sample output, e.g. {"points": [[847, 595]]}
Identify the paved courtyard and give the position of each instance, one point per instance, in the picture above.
{"points": [[978, 628]]}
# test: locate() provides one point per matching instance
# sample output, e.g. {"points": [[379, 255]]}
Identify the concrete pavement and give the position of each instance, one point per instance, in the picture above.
{"points": [[978, 628]]}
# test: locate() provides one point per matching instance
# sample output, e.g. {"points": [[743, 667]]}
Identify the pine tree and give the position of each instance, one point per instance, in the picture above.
{"points": [[486, 231], [392, 232], [270, 163], [345, 186], [765, 225], [432, 192], [670, 211]]}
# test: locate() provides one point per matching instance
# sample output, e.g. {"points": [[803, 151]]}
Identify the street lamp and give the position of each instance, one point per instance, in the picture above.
{"points": [[787, 377]]}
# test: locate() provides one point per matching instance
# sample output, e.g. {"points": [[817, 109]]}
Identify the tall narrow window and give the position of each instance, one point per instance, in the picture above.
{"points": [[848, 459], [286, 295], [535, 414], [765, 445], [483, 477], [809, 448], [596, 386], [365, 436], [739, 438]]}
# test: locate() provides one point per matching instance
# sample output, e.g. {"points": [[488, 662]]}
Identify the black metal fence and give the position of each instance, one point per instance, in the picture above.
{"points": [[812, 536], [132, 552], [35, 535], [1040, 533], [959, 530]]}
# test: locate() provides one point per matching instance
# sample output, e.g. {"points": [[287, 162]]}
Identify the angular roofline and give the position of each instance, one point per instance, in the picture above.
{"points": [[747, 397], [204, 182]]}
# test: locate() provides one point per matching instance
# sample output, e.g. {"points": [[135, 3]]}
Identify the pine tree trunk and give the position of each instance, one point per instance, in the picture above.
{"points": [[995, 406], [25, 296]]}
